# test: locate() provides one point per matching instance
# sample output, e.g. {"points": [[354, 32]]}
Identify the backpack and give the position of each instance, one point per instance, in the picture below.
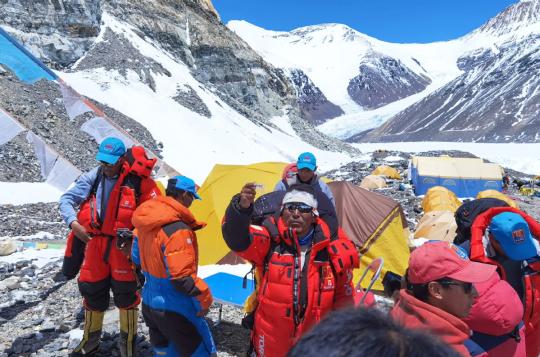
{"points": [[467, 213], [138, 167]]}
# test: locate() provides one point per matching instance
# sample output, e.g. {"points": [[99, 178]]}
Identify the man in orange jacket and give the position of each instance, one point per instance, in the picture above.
{"points": [[175, 299]]}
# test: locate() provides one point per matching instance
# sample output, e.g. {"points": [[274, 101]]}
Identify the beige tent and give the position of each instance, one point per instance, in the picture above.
{"points": [[437, 225], [373, 181]]}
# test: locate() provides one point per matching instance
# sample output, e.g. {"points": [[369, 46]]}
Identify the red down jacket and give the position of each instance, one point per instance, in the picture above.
{"points": [[416, 314], [291, 299], [495, 318], [529, 281]]}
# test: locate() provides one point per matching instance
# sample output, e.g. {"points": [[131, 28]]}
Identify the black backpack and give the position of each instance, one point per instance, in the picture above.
{"points": [[467, 213]]}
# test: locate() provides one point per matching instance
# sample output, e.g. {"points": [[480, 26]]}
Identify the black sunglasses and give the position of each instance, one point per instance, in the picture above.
{"points": [[467, 287], [301, 207]]}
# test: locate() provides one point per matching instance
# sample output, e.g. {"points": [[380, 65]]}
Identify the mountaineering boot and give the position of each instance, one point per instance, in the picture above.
{"points": [[93, 323], [128, 332]]}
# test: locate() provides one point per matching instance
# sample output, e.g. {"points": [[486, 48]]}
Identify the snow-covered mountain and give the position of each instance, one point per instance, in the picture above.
{"points": [[435, 83], [370, 80], [495, 99], [197, 89]]}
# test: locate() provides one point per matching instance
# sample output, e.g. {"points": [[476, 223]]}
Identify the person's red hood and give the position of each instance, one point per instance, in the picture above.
{"points": [[497, 310], [413, 313]]}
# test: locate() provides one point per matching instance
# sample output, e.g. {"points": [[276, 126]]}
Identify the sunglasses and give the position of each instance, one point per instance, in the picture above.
{"points": [[301, 207], [467, 287]]}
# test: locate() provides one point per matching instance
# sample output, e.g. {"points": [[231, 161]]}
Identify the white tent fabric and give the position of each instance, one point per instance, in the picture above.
{"points": [[63, 174], [99, 128], [9, 128], [47, 157], [75, 106]]}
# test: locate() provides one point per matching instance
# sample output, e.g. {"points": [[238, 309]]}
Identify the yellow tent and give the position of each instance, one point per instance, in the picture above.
{"points": [[373, 181], [387, 171], [437, 225], [377, 226], [223, 182], [439, 198], [498, 195]]}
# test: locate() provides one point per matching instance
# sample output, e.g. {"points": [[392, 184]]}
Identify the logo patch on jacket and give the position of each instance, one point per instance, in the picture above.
{"points": [[327, 278]]}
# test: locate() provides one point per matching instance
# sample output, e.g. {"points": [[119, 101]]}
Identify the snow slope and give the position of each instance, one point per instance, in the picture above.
{"points": [[192, 143], [18, 193], [330, 54]]}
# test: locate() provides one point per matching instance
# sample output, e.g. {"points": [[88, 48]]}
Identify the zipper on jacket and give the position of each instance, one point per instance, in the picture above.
{"points": [[320, 286]]}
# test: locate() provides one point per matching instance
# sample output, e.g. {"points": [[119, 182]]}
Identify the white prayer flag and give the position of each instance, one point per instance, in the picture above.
{"points": [[47, 157], [99, 128], [63, 174], [9, 128], [75, 106]]}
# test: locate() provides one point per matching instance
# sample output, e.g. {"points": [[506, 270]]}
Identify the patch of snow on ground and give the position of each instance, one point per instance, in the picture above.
{"points": [[37, 236], [18, 193], [40, 257], [393, 158], [239, 270]]}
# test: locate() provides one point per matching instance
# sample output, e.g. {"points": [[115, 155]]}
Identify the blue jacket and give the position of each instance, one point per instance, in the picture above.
{"points": [[76, 195]]}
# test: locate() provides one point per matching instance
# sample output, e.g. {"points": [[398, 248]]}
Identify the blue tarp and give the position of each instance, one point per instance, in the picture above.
{"points": [[460, 186], [228, 289], [463, 176], [25, 66]]}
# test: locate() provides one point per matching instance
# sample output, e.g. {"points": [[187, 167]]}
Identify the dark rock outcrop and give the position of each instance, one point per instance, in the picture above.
{"points": [[58, 31], [314, 106], [383, 80]]}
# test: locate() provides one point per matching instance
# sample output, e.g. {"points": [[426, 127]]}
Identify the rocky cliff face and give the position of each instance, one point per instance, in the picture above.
{"points": [[314, 106], [383, 80], [216, 56], [62, 31], [58, 31]]}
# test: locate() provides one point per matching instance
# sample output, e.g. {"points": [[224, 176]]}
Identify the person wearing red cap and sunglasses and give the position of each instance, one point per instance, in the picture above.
{"points": [[305, 272], [440, 293]]}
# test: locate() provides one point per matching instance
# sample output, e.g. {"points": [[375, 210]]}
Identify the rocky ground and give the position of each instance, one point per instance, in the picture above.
{"points": [[40, 315], [40, 108]]}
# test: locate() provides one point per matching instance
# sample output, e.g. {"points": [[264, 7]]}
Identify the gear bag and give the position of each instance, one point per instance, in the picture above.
{"points": [[467, 213]]}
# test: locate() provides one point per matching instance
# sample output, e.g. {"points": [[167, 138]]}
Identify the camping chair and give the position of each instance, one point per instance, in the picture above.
{"points": [[229, 289], [376, 268]]}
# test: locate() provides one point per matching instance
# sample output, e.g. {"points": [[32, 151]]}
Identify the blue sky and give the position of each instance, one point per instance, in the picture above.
{"points": [[388, 20]]}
